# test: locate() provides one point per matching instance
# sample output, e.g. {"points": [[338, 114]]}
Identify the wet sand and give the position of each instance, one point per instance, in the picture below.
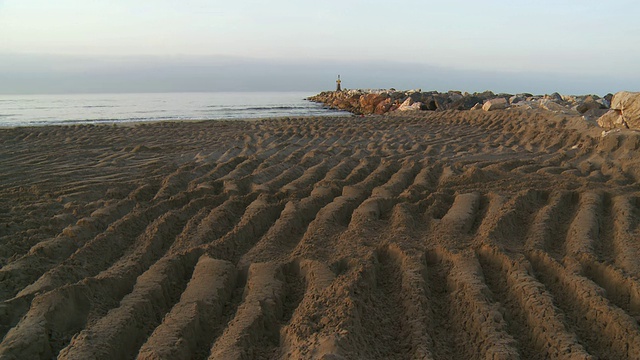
{"points": [[450, 235]]}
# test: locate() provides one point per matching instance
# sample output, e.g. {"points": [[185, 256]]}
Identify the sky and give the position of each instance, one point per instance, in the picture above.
{"points": [[569, 46]]}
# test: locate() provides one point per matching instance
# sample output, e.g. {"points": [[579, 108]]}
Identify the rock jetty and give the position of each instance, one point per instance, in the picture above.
{"points": [[621, 109]]}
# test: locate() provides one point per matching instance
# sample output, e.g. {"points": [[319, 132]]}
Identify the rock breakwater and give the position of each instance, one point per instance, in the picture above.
{"points": [[381, 101]]}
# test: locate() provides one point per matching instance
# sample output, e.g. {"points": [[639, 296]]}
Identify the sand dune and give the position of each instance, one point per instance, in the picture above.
{"points": [[451, 235]]}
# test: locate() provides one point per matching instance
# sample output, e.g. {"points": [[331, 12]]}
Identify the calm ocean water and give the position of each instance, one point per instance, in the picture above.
{"points": [[34, 110]]}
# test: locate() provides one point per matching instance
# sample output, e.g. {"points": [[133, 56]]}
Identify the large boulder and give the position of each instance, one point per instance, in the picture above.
{"points": [[455, 96], [354, 101], [589, 104], [486, 95], [554, 97], [342, 104], [624, 113], [369, 102], [608, 98], [593, 115], [495, 104], [430, 103], [628, 103], [515, 99], [464, 103], [612, 119], [552, 105], [409, 105], [416, 97], [383, 106]]}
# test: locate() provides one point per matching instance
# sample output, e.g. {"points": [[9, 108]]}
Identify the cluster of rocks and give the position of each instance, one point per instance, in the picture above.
{"points": [[382, 101], [611, 111]]}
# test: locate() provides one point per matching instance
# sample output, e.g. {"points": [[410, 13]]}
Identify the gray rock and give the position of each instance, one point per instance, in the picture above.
{"points": [[551, 105], [608, 97], [592, 115], [515, 99], [464, 103], [454, 95], [555, 96], [430, 103], [605, 104], [416, 96], [486, 95], [588, 105]]}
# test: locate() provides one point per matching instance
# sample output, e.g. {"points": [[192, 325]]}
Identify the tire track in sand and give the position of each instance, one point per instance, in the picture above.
{"points": [[603, 329], [399, 236]]}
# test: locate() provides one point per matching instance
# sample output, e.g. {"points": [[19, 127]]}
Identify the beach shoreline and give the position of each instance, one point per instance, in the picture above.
{"points": [[113, 108]]}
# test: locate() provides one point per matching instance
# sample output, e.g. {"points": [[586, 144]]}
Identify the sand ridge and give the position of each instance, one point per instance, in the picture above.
{"points": [[458, 234]]}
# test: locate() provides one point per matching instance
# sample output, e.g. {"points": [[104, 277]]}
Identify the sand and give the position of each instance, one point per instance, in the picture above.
{"points": [[452, 235]]}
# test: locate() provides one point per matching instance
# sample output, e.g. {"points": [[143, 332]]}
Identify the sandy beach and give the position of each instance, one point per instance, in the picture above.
{"points": [[417, 235]]}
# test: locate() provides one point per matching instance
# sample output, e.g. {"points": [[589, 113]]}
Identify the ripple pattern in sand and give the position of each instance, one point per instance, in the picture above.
{"points": [[502, 235]]}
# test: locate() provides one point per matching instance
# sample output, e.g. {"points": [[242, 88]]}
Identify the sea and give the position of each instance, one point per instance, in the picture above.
{"points": [[70, 109]]}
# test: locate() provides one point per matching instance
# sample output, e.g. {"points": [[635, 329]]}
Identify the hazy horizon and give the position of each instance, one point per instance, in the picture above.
{"points": [[573, 47], [74, 74]]}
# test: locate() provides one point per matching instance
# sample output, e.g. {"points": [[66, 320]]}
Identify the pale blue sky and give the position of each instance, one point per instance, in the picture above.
{"points": [[499, 45]]}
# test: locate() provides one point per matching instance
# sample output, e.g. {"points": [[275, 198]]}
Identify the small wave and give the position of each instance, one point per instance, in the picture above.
{"points": [[277, 108], [18, 100], [255, 108], [103, 120], [128, 119], [148, 111]]}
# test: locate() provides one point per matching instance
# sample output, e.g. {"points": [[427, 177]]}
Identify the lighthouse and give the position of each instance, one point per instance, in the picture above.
{"points": [[338, 84]]}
